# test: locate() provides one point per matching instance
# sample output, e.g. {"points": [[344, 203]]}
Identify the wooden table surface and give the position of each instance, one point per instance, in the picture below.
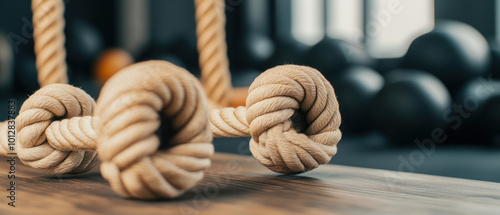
{"points": [[240, 185]]}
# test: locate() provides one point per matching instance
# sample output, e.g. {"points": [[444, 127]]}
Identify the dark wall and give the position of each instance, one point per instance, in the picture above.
{"points": [[13, 17], [171, 20], [479, 15], [101, 14]]}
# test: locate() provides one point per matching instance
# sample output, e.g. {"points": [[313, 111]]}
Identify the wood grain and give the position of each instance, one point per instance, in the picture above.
{"points": [[239, 185]]}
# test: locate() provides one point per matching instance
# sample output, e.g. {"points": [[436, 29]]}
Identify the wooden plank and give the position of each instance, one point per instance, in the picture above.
{"points": [[239, 185]]}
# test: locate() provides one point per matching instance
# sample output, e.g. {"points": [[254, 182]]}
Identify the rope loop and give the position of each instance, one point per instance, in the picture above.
{"points": [[50, 104], [292, 115], [134, 104], [294, 119]]}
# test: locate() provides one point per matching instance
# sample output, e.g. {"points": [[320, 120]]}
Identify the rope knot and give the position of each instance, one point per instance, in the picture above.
{"points": [[294, 119], [53, 103], [134, 104]]}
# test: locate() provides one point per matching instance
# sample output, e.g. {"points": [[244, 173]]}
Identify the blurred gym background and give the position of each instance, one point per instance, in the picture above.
{"points": [[416, 79]]}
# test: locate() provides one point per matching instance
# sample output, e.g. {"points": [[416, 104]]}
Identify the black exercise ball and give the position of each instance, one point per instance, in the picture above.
{"points": [[495, 60], [244, 77], [84, 43], [454, 52], [288, 52], [179, 51], [256, 50], [161, 53], [385, 65], [6, 65], [410, 106], [491, 117], [472, 119], [330, 56], [186, 50], [356, 87]]}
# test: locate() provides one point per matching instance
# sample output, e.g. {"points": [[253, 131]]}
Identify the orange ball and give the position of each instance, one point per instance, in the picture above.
{"points": [[239, 97], [110, 62]]}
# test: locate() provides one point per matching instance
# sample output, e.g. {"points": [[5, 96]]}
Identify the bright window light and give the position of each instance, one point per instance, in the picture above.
{"points": [[393, 24], [308, 21], [345, 20]]}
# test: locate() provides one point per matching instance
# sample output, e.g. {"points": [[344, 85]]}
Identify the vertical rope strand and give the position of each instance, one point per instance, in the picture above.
{"points": [[48, 24], [210, 29]]}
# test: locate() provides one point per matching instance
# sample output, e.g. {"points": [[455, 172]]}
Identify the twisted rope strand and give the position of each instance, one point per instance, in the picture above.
{"points": [[48, 24], [229, 122], [128, 115], [58, 134], [4, 141], [210, 29], [278, 100], [48, 32], [41, 144], [43, 141], [292, 115], [75, 134]]}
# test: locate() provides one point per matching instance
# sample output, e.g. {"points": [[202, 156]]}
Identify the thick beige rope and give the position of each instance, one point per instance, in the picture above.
{"points": [[75, 134], [57, 133], [293, 117], [48, 32], [43, 141], [130, 110], [56, 128], [210, 29], [4, 141], [50, 104]]}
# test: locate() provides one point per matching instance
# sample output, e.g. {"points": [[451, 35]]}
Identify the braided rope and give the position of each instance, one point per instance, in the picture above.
{"points": [[210, 29], [58, 135], [276, 102], [75, 134], [292, 115], [56, 127], [43, 141], [134, 161], [4, 144], [49, 104], [48, 32]]}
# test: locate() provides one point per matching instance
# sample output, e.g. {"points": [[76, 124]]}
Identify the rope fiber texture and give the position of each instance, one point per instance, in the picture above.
{"points": [[292, 115], [210, 30], [57, 132], [48, 32], [130, 110], [38, 126]]}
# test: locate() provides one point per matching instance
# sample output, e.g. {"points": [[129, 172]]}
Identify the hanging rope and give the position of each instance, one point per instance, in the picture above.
{"points": [[35, 146], [275, 143], [129, 111], [210, 29], [57, 132], [295, 104], [48, 33], [292, 115]]}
